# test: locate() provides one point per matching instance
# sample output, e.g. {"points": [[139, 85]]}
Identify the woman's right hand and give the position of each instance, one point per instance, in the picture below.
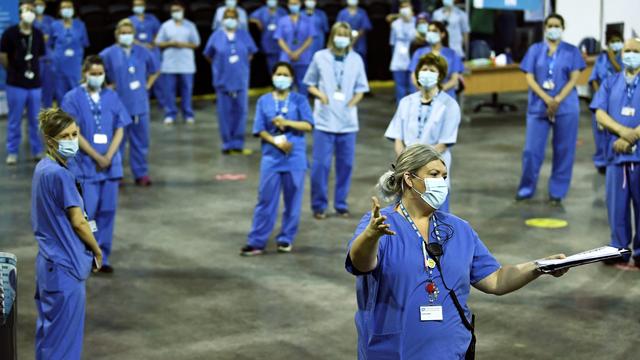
{"points": [[98, 260], [323, 98], [629, 135], [285, 147], [377, 227]]}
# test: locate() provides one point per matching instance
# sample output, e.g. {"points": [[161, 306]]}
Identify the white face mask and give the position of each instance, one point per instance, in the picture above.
{"points": [[95, 81], [553, 33], [231, 4], [428, 79], [28, 17], [352, 2], [40, 9], [177, 15], [125, 39], [309, 4], [436, 191], [66, 13], [138, 10], [406, 11]]}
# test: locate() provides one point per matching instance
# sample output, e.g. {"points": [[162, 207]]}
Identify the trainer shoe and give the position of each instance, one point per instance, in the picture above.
{"points": [[244, 152], [319, 215], [190, 121], [168, 121], [284, 247], [250, 251], [12, 159]]}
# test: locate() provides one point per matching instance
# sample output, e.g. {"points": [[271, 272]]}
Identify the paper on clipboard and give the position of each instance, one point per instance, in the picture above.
{"points": [[586, 257]]}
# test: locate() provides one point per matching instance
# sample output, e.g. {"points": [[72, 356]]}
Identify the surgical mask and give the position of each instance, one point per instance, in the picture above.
{"points": [[294, 9], [282, 82], [231, 4], [428, 79], [341, 42], [66, 13], [436, 191], [177, 15], [272, 3], [423, 28], [405, 11], [125, 39], [554, 33], [95, 82], [27, 17], [40, 9], [138, 10], [310, 4], [230, 23], [352, 2], [68, 148], [631, 60], [447, 3], [433, 37], [616, 46]]}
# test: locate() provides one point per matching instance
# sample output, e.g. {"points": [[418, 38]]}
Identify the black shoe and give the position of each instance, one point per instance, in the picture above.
{"points": [[226, 152], [555, 201], [343, 214], [284, 247], [250, 251], [106, 269]]}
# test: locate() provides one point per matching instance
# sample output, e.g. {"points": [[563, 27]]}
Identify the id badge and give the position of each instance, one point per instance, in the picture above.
{"points": [[132, 69], [431, 313], [403, 50], [354, 33], [548, 85], [339, 96], [100, 139], [233, 59], [280, 139], [134, 85], [28, 57], [69, 53], [628, 111], [93, 226], [142, 36], [271, 27], [29, 74]]}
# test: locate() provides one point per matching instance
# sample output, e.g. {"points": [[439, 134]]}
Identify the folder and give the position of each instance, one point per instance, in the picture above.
{"points": [[587, 257]]}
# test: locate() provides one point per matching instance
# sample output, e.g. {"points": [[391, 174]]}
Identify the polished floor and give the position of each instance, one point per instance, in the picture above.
{"points": [[180, 290]]}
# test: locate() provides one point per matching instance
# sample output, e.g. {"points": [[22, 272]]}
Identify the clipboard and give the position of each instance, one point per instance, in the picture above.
{"points": [[587, 257]]}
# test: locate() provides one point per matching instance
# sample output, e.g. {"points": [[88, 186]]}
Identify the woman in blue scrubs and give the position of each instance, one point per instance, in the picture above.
{"points": [[66, 245], [338, 81], [266, 19], [295, 36], [617, 109], [413, 261], [438, 39], [359, 21], [68, 39], [282, 118], [403, 32], [321, 23], [430, 116], [552, 68], [132, 69], [44, 23], [102, 119], [230, 50], [609, 62]]}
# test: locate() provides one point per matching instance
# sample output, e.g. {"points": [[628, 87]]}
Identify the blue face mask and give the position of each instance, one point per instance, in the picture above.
{"points": [[423, 28], [436, 191], [294, 9], [68, 148], [230, 23], [272, 3], [553, 33], [66, 13], [231, 4], [40, 9], [433, 37], [95, 82], [138, 10], [447, 2], [125, 39], [428, 79], [616, 46], [631, 60], [282, 82], [341, 42]]}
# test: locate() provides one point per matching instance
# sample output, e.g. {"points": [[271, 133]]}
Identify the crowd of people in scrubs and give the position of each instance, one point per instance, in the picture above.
{"points": [[319, 77]]}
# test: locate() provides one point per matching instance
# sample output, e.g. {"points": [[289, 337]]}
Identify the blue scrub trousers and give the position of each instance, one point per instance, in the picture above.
{"points": [[185, 84], [623, 190], [100, 201], [159, 91], [137, 134], [300, 71], [17, 100], [325, 145], [272, 60], [565, 133], [404, 86], [60, 299], [64, 83], [232, 117], [47, 76], [291, 184], [600, 142]]}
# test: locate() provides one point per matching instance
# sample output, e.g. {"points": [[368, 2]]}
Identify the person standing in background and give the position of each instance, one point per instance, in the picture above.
{"points": [[21, 47], [266, 19], [359, 21], [44, 23], [319, 19], [178, 38], [457, 23], [403, 32], [219, 15]]}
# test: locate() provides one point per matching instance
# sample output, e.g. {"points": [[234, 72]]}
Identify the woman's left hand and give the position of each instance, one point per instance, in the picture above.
{"points": [[561, 272], [279, 122]]}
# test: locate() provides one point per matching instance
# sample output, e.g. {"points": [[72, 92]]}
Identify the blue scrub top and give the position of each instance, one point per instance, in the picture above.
{"points": [[298, 109], [390, 296], [567, 60], [401, 36], [269, 21], [178, 60], [230, 63], [111, 114], [291, 33], [321, 24], [219, 16], [603, 68], [359, 21], [454, 63], [53, 192], [62, 39], [146, 31], [45, 26], [612, 97], [130, 73], [325, 73], [457, 25]]}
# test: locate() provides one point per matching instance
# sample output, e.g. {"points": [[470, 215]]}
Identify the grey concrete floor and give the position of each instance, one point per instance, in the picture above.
{"points": [[180, 290]]}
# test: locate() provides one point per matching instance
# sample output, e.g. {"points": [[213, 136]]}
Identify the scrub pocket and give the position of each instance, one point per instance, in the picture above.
{"points": [[53, 277], [385, 346]]}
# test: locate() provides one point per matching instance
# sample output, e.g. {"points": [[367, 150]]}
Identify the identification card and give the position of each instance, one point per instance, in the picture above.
{"points": [[28, 57], [132, 69], [548, 85], [100, 138], [69, 53], [339, 96], [142, 36], [93, 226], [233, 59], [431, 313], [403, 50], [29, 74], [280, 139], [271, 27], [354, 33], [628, 111], [134, 85]]}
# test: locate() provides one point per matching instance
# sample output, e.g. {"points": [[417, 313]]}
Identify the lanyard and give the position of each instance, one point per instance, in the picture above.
{"points": [[631, 89], [429, 263], [96, 110], [425, 111], [552, 64], [296, 28], [338, 71], [28, 47], [285, 108]]}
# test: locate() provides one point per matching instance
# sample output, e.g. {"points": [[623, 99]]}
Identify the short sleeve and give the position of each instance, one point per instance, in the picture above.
{"points": [[85, 36], [458, 65], [255, 15], [278, 34], [152, 65], [528, 63], [5, 43], [194, 36], [578, 61], [155, 24], [392, 34], [366, 23], [362, 83], [251, 45], [415, 58], [304, 110], [69, 106], [162, 34], [464, 22], [484, 263], [260, 118], [601, 98], [66, 185], [595, 72], [39, 45], [123, 117], [324, 22], [312, 77], [449, 130], [209, 50], [348, 265], [104, 55], [394, 130], [341, 16]]}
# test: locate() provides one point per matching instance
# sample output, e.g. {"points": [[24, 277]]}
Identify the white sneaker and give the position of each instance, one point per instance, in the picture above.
{"points": [[12, 159], [190, 121], [168, 121]]}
